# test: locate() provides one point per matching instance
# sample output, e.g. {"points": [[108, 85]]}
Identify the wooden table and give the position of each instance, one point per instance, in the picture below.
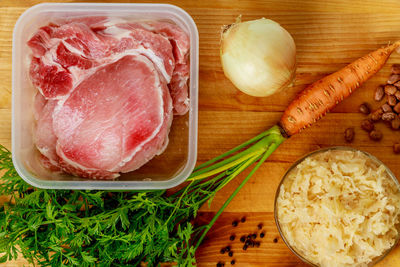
{"points": [[328, 35]]}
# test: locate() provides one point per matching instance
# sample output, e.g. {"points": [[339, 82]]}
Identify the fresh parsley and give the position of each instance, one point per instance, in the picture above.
{"points": [[106, 228]]}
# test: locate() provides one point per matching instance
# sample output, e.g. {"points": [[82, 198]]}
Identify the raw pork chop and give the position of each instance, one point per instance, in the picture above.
{"points": [[123, 38], [45, 138], [108, 89], [61, 55], [180, 45], [38, 104], [112, 115], [179, 89]]}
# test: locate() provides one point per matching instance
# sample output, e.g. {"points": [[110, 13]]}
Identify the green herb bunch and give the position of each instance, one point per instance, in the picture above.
{"points": [[105, 228]]}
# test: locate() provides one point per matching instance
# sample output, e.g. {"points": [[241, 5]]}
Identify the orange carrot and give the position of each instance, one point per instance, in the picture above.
{"points": [[321, 96]]}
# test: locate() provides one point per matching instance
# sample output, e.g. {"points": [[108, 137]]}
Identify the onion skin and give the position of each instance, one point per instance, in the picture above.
{"points": [[258, 57]]}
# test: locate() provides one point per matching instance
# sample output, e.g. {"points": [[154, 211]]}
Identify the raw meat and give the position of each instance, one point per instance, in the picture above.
{"points": [[180, 45], [61, 55], [45, 138], [105, 86], [102, 129], [38, 104], [179, 89], [154, 46]]}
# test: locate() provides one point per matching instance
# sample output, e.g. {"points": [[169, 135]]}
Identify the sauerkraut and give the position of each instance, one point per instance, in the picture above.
{"points": [[339, 208]]}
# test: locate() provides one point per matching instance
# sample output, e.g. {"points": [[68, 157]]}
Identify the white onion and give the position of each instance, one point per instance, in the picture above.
{"points": [[259, 56]]}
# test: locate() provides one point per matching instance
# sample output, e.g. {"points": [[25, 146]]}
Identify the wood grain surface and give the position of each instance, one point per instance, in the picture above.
{"points": [[328, 35]]}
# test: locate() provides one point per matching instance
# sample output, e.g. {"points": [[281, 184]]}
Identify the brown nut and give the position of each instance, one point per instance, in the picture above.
{"points": [[397, 108], [391, 100], [364, 108], [397, 84], [379, 93], [386, 108], [367, 125], [396, 68], [396, 148], [377, 115], [397, 95], [393, 78], [396, 123], [376, 135], [388, 116], [390, 89], [349, 134]]}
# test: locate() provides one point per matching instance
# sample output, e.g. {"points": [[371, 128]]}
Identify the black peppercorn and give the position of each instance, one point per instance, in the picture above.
{"points": [[228, 248], [222, 251], [254, 236], [262, 234], [232, 262], [230, 253], [260, 226], [242, 239], [275, 240], [249, 237], [243, 219], [235, 223], [232, 237], [220, 264], [258, 244], [245, 247], [248, 242]]}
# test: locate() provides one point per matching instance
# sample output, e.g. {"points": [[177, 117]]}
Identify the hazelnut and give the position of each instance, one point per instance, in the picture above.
{"points": [[386, 108], [348, 135], [388, 116], [390, 89], [364, 108], [367, 125], [377, 115], [396, 148], [397, 108], [396, 68], [376, 135], [379, 93]]}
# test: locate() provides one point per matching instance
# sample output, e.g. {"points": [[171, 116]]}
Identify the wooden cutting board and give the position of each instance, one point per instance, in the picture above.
{"points": [[328, 35]]}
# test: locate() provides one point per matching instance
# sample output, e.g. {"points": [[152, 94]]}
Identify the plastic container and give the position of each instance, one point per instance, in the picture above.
{"points": [[165, 171], [342, 148]]}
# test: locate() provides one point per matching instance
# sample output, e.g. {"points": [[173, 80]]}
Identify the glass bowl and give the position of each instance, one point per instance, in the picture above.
{"points": [[342, 148]]}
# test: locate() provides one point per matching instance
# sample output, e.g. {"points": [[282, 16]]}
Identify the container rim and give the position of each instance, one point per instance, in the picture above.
{"points": [[101, 7], [294, 165]]}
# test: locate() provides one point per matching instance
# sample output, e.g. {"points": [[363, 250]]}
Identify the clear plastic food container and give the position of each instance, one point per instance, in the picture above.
{"points": [[167, 170]]}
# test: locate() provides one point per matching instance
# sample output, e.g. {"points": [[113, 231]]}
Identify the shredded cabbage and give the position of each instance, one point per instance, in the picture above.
{"points": [[339, 208]]}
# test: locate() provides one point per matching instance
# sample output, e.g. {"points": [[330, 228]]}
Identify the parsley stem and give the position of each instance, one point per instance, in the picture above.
{"points": [[178, 204], [275, 140], [227, 166], [230, 161], [239, 170], [233, 150]]}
